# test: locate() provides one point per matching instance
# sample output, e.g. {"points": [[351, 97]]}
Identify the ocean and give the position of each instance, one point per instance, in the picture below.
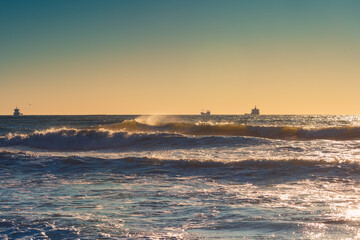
{"points": [[180, 177]]}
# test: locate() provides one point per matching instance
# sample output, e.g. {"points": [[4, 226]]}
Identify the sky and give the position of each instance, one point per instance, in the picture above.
{"points": [[178, 57]]}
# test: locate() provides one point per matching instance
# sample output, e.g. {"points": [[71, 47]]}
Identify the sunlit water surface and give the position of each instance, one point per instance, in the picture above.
{"points": [[180, 177]]}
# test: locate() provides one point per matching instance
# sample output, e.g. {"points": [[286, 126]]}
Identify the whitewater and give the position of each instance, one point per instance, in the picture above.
{"points": [[180, 177]]}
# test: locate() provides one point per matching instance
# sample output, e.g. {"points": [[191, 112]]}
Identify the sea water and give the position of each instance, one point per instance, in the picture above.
{"points": [[180, 177]]}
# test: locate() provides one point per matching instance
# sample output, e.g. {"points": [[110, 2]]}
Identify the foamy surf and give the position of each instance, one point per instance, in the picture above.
{"points": [[131, 134], [169, 136], [91, 139]]}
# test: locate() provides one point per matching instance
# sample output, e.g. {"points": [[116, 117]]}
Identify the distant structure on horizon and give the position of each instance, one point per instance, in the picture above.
{"points": [[205, 112], [255, 111], [17, 112]]}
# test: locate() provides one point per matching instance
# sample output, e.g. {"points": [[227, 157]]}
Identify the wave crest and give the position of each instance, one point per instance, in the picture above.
{"points": [[233, 129], [96, 139], [131, 134], [168, 163]]}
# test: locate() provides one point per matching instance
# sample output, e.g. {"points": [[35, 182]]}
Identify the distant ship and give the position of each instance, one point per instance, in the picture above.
{"points": [[255, 111], [205, 112], [17, 112]]}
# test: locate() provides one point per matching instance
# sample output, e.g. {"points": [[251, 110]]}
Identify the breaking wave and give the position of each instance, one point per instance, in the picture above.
{"points": [[132, 134], [91, 139], [76, 163], [233, 129]]}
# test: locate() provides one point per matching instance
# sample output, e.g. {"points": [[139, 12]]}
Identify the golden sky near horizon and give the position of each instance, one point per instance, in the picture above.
{"points": [[307, 64]]}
